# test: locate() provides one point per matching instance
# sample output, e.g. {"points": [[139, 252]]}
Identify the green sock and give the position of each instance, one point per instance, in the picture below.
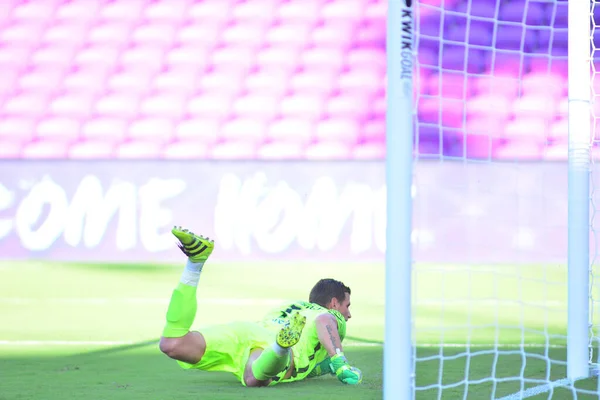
{"points": [[269, 364], [181, 311]]}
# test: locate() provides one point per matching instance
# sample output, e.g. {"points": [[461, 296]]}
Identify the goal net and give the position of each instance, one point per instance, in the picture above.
{"points": [[495, 225]]}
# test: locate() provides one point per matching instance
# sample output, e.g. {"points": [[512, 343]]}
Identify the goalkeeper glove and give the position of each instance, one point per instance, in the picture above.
{"points": [[344, 372], [322, 368]]}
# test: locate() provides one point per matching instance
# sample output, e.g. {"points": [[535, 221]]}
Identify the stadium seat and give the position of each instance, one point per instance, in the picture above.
{"points": [[210, 104], [328, 151], [66, 33], [182, 80], [46, 79], [372, 58], [249, 130], [369, 151], [92, 150], [348, 10], [139, 150], [30, 104], [373, 130], [532, 129], [46, 149], [281, 151], [187, 56], [319, 82], [59, 55], [203, 36], [117, 33], [276, 58], [10, 149], [364, 81], [342, 130], [146, 57], [212, 10], [543, 85], [95, 55], [223, 81], [260, 107], [204, 130], [90, 80], [164, 104], [291, 130], [120, 105], [273, 83], [187, 150], [160, 34], [104, 129], [518, 151], [135, 82], [58, 128], [246, 34], [78, 11], [293, 34], [536, 106], [22, 33], [234, 151], [172, 11], [556, 152], [348, 105], [151, 129], [326, 59], [302, 106], [336, 33], [493, 106], [130, 10], [14, 56], [17, 129], [559, 130]]}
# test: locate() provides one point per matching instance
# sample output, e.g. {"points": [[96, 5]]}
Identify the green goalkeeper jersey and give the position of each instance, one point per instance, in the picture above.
{"points": [[308, 352]]}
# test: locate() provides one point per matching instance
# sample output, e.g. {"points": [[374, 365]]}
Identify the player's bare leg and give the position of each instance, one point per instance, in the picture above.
{"points": [[177, 341], [265, 364]]}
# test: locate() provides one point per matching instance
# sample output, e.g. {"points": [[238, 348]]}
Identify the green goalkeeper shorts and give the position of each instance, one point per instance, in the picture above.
{"points": [[228, 347]]}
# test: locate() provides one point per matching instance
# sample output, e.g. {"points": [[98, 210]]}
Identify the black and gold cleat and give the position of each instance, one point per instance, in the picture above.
{"points": [[197, 248]]}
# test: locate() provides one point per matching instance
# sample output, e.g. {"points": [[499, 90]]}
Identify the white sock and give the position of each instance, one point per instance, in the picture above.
{"points": [[191, 273], [280, 351]]}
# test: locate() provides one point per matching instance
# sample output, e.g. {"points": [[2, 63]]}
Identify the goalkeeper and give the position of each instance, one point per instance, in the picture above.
{"points": [[298, 341]]}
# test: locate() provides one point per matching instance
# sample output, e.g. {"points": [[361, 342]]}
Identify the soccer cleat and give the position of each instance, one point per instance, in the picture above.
{"points": [[197, 248], [290, 334]]}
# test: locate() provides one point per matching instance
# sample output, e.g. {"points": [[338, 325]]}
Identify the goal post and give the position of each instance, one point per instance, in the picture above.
{"points": [[579, 87], [398, 351]]}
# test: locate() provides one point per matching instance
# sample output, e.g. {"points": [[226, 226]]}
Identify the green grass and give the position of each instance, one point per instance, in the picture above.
{"points": [[45, 304]]}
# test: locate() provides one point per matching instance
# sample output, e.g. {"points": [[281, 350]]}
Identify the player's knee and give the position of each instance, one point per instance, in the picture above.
{"points": [[251, 381], [169, 346]]}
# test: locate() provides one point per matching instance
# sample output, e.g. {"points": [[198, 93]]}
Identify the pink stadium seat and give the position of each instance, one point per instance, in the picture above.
{"points": [[278, 58], [485, 125], [92, 150], [281, 151], [42, 79], [166, 10], [233, 57], [22, 33], [308, 106], [10, 149], [211, 104], [222, 81], [8, 80], [56, 55], [367, 81], [17, 129], [378, 107], [187, 55], [338, 33], [348, 105], [263, 82], [105, 55], [544, 85], [90, 80], [204, 130], [330, 58], [562, 110], [78, 11], [557, 152], [187, 150], [559, 130], [147, 57], [532, 129], [293, 34], [244, 129], [374, 130], [210, 10], [291, 130], [136, 82], [160, 130], [139, 150], [250, 34], [120, 105], [31, 104], [328, 151], [116, 33], [518, 151], [67, 33], [371, 33], [373, 58], [369, 151], [342, 130], [159, 33], [256, 106], [182, 79], [256, 10], [204, 35], [58, 128], [241, 150], [497, 86], [447, 112], [164, 104], [299, 11], [111, 130], [448, 85], [14, 56], [45, 149], [535, 106], [313, 81], [348, 10], [130, 10]]}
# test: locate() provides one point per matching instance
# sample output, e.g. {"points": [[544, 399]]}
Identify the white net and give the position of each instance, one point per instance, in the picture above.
{"points": [[490, 204]]}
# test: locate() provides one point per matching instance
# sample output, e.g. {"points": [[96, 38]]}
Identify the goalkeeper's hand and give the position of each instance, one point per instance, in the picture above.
{"points": [[344, 372]]}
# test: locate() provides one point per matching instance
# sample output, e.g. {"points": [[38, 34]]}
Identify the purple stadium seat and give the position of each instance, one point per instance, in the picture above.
{"points": [[544, 84], [562, 110], [92, 149], [112, 33], [378, 107], [310, 106], [164, 104], [234, 151], [486, 125], [281, 151], [120, 105], [505, 86], [198, 129], [152, 129], [13, 56], [244, 129], [210, 104], [371, 34], [484, 9], [480, 33], [210, 10], [46, 149], [343, 130], [291, 130], [447, 85], [376, 10], [187, 150], [111, 130], [447, 112], [256, 106], [58, 128], [328, 151], [139, 150], [558, 14]]}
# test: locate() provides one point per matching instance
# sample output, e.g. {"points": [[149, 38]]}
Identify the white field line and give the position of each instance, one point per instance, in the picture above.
{"points": [[534, 391]]}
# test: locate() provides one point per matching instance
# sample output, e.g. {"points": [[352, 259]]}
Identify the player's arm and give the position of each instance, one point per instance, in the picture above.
{"points": [[329, 337]]}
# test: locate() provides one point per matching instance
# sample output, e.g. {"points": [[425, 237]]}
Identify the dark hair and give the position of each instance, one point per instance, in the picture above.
{"points": [[327, 289]]}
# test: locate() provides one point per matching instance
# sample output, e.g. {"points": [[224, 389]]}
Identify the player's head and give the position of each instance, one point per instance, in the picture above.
{"points": [[333, 295]]}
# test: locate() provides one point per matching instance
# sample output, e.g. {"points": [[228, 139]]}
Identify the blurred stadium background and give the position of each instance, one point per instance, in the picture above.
{"points": [[262, 124]]}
